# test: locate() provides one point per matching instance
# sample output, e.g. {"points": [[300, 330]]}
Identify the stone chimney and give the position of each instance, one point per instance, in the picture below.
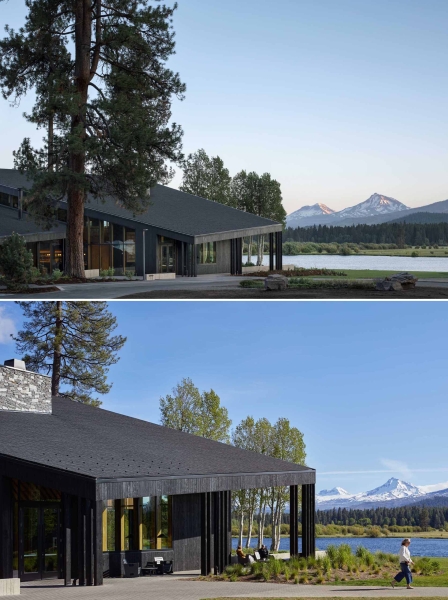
{"points": [[22, 390]]}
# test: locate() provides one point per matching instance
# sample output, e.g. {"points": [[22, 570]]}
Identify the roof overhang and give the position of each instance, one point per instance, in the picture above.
{"points": [[237, 233]]}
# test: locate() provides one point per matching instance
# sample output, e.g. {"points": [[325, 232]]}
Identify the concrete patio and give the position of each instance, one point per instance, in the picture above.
{"points": [[181, 587]]}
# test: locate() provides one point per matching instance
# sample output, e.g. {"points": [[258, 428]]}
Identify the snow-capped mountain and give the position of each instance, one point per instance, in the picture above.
{"points": [[394, 492], [377, 204], [306, 212], [319, 214]]}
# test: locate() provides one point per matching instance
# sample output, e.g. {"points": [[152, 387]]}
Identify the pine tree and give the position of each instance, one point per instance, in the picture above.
{"points": [[72, 342], [106, 105]]}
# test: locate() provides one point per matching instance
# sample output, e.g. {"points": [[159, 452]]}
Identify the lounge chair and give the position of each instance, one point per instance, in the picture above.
{"points": [[131, 569]]}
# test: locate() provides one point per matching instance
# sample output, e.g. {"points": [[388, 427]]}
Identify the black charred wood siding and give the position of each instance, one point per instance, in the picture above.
{"points": [[186, 518]]}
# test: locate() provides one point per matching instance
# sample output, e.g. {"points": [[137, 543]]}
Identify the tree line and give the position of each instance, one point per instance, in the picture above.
{"points": [[413, 516], [261, 195], [402, 234], [201, 413]]}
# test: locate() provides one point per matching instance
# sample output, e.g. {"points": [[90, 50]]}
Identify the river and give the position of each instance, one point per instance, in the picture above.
{"points": [[376, 263], [419, 546]]}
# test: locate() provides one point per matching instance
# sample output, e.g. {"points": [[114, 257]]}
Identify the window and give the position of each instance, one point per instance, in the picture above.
{"points": [[156, 523], [109, 527], [129, 247], [207, 253], [127, 507], [4, 199], [149, 523]]}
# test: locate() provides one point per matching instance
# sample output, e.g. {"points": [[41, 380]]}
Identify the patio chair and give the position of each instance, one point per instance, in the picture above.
{"points": [[131, 569], [167, 567]]}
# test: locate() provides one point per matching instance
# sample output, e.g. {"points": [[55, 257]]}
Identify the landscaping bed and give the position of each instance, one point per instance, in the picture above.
{"points": [[339, 567]]}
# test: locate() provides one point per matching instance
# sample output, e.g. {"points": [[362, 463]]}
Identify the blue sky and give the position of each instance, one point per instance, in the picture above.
{"points": [[336, 99], [366, 382]]}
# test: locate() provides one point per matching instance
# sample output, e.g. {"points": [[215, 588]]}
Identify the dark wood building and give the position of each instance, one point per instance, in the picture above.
{"points": [[179, 233], [83, 488]]}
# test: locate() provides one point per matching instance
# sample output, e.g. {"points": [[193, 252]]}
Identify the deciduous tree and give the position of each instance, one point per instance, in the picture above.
{"points": [[207, 177], [186, 409]]}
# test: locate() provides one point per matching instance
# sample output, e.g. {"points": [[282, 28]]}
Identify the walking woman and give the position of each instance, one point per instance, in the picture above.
{"points": [[405, 565]]}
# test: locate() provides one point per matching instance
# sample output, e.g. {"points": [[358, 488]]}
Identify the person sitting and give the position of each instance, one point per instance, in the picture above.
{"points": [[243, 559], [263, 552]]}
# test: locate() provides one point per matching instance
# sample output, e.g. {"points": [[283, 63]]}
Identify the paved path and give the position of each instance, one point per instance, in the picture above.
{"points": [[182, 588], [114, 290]]}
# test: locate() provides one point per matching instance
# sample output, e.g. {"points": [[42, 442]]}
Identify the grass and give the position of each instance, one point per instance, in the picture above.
{"points": [[328, 597], [340, 566], [371, 274]]}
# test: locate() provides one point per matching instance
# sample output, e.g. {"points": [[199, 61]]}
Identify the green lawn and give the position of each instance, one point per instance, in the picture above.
{"points": [[371, 274]]}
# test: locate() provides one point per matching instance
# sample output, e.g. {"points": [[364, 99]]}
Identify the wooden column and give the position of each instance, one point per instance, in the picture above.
{"points": [[118, 527], [279, 250], [90, 537], [271, 251], [98, 569], [67, 538], [293, 520], [308, 519], [82, 549], [6, 528], [206, 532]]}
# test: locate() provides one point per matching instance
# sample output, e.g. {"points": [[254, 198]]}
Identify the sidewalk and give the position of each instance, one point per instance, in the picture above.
{"points": [[182, 588]]}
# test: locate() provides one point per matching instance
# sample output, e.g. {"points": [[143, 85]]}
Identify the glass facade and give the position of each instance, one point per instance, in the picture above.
{"points": [[207, 253], [7, 200], [108, 246], [145, 524]]}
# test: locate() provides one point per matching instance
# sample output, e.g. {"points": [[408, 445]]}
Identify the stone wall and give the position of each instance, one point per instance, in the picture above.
{"points": [[24, 391]]}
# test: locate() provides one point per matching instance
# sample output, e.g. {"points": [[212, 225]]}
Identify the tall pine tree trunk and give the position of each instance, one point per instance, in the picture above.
{"points": [[76, 194], [57, 346]]}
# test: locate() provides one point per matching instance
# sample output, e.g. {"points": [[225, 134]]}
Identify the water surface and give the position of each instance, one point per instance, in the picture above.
{"points": [[419, 546], [377, 263]]}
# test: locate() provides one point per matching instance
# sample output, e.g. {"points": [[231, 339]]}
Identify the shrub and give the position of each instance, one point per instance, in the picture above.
{"points": [[345, 250], [303, 579], [326, 565], [249, 264], [427, 566], [56, 275], [16, 262], [414, 254]]}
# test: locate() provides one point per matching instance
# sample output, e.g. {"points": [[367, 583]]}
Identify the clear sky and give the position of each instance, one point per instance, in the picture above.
{"points": [[336, 99], [366, 382]]}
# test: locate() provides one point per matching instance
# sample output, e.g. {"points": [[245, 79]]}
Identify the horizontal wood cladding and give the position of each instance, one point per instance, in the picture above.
{"points": [[67, 482], [139, 487]]}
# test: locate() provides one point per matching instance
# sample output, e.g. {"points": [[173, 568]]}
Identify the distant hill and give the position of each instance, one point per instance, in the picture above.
{"points": [[422, 217]]}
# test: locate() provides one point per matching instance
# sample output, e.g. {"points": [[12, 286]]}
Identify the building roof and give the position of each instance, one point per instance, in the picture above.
{"points": [[101, 444], [10, 222], [171, 210]]}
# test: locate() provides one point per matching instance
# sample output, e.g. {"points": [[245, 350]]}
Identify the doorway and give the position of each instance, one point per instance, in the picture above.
{"points": [[167, 255], [39, 530]]}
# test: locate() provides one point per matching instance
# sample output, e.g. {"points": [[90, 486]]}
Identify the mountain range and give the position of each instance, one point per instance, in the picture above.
{"points": [[394, 492], [378, 208]]}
